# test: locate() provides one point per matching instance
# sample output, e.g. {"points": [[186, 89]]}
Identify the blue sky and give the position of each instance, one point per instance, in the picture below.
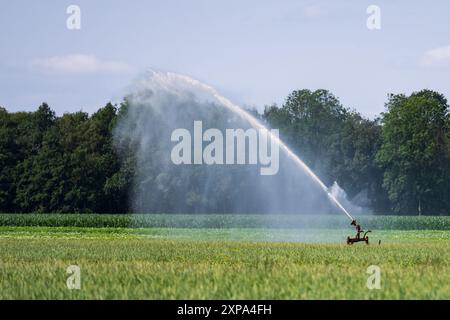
{"points": [[253, 52]]}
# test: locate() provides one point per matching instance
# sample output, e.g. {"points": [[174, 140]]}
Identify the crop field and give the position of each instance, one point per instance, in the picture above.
{"points": [[221, 257]]}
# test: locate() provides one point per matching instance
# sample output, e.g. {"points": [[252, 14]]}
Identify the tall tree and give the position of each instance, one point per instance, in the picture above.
{"points": [[414, 153], [337, 143], [355, 166], [21, 136], [309, 121], [71, 169]]}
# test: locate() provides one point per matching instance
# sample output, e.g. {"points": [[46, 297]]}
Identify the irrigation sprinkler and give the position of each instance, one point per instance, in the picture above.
{"points": [[358, 237]]}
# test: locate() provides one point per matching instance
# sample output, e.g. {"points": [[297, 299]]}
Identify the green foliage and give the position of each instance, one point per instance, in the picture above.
{"points": [[415, 154], [308, 122], [59, 164], [337, 143], [21, 137], [397, 164]]}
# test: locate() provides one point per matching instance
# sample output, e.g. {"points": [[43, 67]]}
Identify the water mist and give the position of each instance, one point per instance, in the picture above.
{"points": [[160, 103]]}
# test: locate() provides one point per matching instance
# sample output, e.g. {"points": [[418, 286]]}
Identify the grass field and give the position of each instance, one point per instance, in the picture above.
{"points": [[195, 262]]}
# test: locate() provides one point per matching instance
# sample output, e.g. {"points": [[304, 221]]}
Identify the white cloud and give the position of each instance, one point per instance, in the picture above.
{"points": [[437, 57], [80, 64], [312, 11]]}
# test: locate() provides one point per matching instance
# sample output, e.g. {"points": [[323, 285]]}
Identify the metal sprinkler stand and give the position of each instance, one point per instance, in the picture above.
{"points": [[358, 237]]}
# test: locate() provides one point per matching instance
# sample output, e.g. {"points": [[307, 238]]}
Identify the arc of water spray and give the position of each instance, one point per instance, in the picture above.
{"points": [[255, 123]]}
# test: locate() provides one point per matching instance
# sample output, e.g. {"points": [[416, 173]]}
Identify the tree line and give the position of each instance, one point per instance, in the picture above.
{"points": [[398, 163]]}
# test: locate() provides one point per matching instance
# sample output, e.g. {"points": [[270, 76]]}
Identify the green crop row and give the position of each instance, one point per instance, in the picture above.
{"points": [[223, 221]]}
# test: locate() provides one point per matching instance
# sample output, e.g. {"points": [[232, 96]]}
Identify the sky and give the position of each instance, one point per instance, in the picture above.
{"points": [[255, 52]]}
